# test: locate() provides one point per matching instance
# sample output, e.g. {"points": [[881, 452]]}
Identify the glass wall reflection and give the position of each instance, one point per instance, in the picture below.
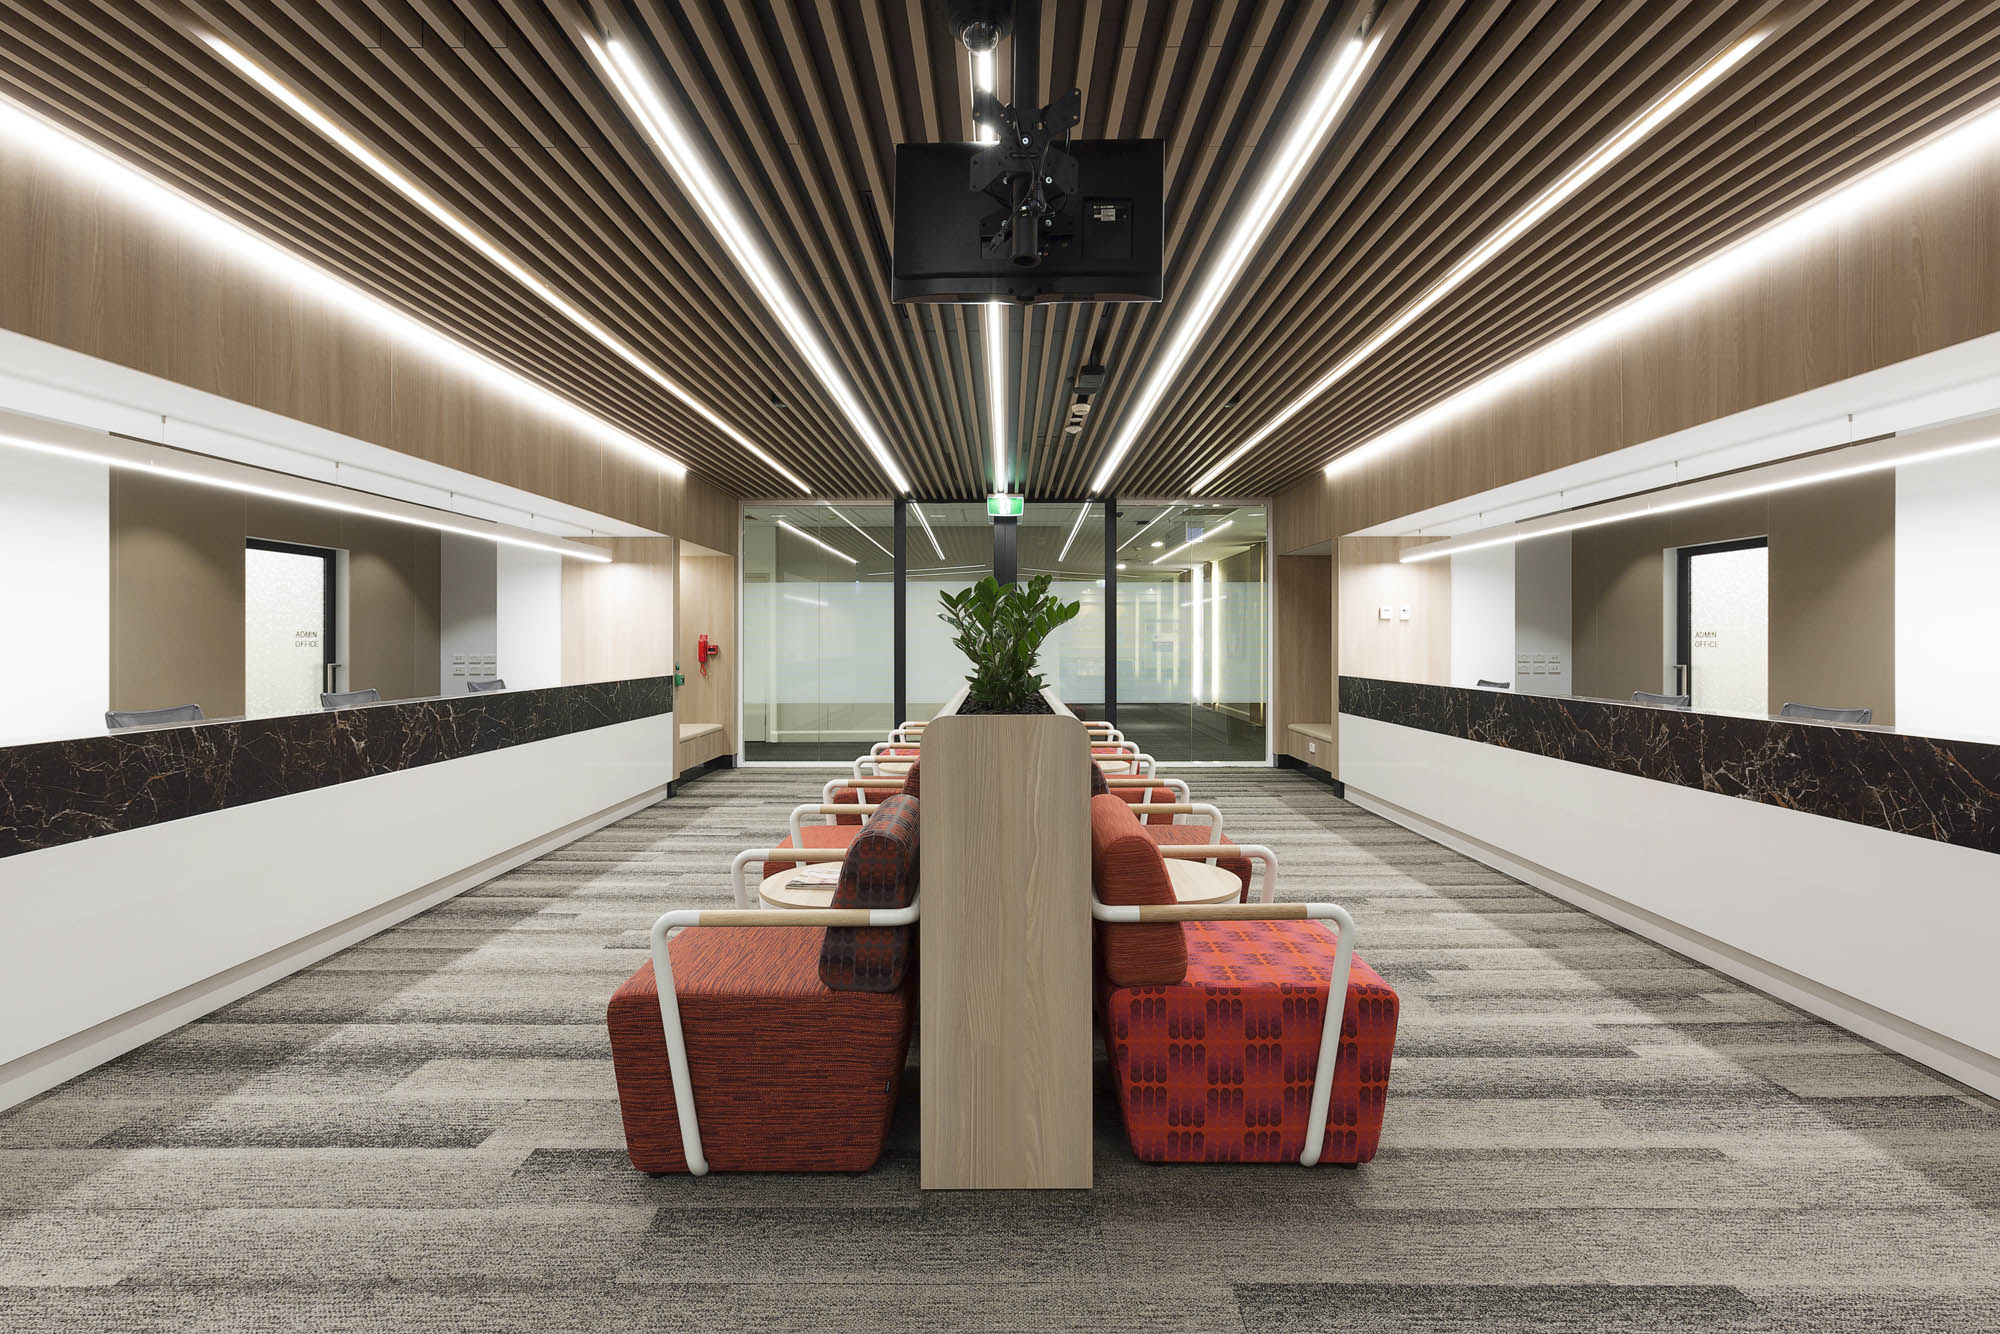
{"points": [[818, 630], [948, 548], [1192, 643], [1066, 542]]}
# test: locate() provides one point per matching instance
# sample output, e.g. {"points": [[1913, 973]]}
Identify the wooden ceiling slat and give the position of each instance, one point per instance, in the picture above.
{"points": [[1473, 106], [1643, 224]]}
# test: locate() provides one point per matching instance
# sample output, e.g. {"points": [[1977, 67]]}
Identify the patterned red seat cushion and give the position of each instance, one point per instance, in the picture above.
{"points": [[1219, 1067], [1126, 870], [1194, 835], [820, 836], [788, 1075], [879, 871]]}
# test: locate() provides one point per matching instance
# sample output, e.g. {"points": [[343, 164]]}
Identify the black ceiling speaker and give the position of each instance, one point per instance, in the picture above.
{"points": [[978, 24]]}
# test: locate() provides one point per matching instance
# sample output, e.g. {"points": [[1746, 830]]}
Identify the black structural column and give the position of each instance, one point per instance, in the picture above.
{"points": [[1111, 610], [1007, 550], [900, 616]]}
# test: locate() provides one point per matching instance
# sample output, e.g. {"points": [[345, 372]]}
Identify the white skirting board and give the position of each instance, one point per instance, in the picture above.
{"points": [[1885, 934], [113, 941]]}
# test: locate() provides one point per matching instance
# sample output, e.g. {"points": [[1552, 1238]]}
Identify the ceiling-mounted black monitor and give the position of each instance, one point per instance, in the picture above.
{"points": [[1104, 242]]}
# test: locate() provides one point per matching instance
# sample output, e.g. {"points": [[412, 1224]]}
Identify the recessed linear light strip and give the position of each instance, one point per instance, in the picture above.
{"points": [[918, 510], [983, 67], [1829, 466], [1894, 179], [690, 167], [201, 470], [239, 244], [1512, 230], [1148, 524], [464, 230], [1192, 540], [1329, 97], [1082, 513], [859, 529], [797, 531], [996, 396]]}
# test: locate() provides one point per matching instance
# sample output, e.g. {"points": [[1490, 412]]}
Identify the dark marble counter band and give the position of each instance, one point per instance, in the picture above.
{"points": [[57, 792], [1923, 786]]}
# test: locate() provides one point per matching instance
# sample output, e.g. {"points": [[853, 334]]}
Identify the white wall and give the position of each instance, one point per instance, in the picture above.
{"points": [[55, 597], [527, 617], [1889, 934], [1542, 616], [468, 585], [1947, 607], [1482, 616]]}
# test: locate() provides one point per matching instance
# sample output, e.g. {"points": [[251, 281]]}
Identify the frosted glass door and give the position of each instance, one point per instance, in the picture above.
{"points": [[285, 630], [1728, 629]]}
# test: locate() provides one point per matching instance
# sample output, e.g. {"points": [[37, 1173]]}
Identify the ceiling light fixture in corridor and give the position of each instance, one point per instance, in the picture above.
{"points": [[1483, 254], [689, 165], [1330, 96], [348, 143], [248, 250]]}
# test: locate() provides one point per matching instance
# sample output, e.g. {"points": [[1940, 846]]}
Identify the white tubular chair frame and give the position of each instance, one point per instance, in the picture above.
{"points": [[740, 887], [670, 1008], [1210, 852], [1336, 992], [831, 808]]}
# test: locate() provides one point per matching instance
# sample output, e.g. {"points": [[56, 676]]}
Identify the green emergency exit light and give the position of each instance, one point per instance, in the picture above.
{"points": [[1005, 507]]}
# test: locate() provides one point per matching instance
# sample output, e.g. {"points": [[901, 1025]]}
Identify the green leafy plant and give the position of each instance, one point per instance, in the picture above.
{"points": [[1000, 629]]}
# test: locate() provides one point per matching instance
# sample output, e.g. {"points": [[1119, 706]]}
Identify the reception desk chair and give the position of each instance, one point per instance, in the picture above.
{"points": [[1661, 701], [118, 719], [347, 699], [479, 687], [1821, 714]]}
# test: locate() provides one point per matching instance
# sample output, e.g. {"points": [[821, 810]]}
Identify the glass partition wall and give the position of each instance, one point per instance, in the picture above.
{"points": [[818, 630], [1192, 642], [948, 549], [1190, 620]]}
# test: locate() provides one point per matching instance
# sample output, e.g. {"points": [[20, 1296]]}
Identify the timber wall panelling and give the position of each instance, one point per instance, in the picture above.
{"points": [[89, 272], [1302, 591], [1903, 279], [617, 618], [1372, 577]]}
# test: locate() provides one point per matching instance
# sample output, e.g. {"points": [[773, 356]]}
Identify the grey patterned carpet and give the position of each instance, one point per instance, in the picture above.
{"points": [[1585, 1133]]}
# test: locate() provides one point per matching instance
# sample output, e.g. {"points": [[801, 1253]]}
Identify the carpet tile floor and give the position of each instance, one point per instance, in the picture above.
{"points": [[1585, 1133]]}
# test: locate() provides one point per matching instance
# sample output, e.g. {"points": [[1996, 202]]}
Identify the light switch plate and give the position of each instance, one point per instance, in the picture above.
{"points": [[1312, 747], [1388, 613]]}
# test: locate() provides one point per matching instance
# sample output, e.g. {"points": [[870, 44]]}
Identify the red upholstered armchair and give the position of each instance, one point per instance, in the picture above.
{"points": [[767, 1041], [1215, 1017]]}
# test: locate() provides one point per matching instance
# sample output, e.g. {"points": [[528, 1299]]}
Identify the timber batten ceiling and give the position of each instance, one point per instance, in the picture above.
{"points": [[1467, 111]]}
